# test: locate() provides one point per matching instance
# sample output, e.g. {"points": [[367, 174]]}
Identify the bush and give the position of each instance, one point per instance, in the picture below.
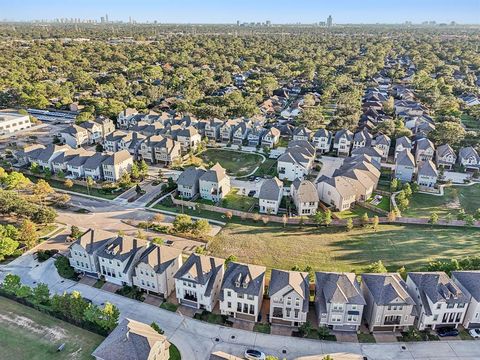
{"points": [[64, 269], [44, 255]]}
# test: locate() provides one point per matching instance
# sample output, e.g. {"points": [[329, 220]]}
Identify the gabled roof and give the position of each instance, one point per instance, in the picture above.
{"points": [[92, 240], [320, 133], [404, 141], [296, 280], [470, 280], [424, 143], [405, 158], [203, 270], [95, 161], [244, 279], [117, 158], [190, 176], [122, 248], [382, 139], [305, 191], [160, 257], [444, 150], [467, 152], [271, 189], [385, 288], [427, 168], [338, 288], [343, 133], [215, 174]]}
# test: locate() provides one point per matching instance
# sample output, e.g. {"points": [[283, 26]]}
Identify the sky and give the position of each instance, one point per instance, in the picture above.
{"points": [[229, 11]]}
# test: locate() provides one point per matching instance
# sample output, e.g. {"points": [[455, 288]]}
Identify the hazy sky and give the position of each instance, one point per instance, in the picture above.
{"points": [[229, 11]]}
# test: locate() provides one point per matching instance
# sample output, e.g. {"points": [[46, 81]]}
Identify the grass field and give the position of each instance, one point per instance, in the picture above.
{"points": [[470, 122], [333, 249], [29, 334], [455, 198], [236, 163], [356, 211], [238, 202]]}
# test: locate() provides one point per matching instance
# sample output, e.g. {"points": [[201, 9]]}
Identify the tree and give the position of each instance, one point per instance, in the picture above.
{"points": [[8, 242], [376, 267], [201, 227], [143, 168], [448, 133], [24, 292], [403, 272], [135, 171], [407, 190], [75, 232], [375, 222], [433, 218], [349, 224], [77, 307], [328, 217], [469, 220], [68, 183], [16, 181], [305, 328], [28, 234], [42, 189], [125, 180], [89, 182], [365, 219], [106, 317], [394, 185], [229, 259], [41, 294], [182, 223], [11, 283]]}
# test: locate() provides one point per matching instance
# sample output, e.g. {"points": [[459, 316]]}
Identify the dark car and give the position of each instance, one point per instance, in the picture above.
{"points": [[447, 332], [251, 193]]}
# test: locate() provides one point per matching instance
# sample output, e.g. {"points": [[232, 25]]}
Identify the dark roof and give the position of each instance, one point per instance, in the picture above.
{"points": [[203, 269], [271, 189], [244, 279], [385, 288], [160, 257], [297, 281], [470, 280]]}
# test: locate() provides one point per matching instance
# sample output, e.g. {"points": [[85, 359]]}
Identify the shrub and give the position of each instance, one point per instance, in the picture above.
{"points": [[64, 269], [44, 255]]}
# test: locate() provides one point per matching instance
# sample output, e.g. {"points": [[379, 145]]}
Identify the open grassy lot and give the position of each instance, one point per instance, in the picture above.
{"points": [[333, 249], [236, 163], [455, 198], [26, 333], [238, 202], [470, 122]]}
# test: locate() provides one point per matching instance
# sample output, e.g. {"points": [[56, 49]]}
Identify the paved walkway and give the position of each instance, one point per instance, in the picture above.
{"points": [[196, 339]]}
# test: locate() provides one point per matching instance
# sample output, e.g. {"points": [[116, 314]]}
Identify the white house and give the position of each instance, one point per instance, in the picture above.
{"points": [[339, 301], [439, 301], [289, 293], [13, 122], [241, 294], [468, 157], [401, 144], [270, 196], [198, 281], [445, 156], [117, 258], [405, 166], [427, 174], [424, 150], [116, 164], [342, 142], [322, 140], [188, 182], [469, 284], [305, 197], [214, 183], [297, 161]]}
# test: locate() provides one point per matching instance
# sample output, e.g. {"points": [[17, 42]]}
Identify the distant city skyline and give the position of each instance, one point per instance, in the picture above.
{"points": [[221, 11]]}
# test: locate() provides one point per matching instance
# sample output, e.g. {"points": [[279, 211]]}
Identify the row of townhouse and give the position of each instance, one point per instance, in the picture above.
{"points": [[87, 133], [213, 184], [421, 160], [384, 302], [77, 163]]}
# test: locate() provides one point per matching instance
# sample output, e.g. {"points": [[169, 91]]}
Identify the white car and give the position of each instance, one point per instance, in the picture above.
{"points": [[475, 333], [251, 354]]}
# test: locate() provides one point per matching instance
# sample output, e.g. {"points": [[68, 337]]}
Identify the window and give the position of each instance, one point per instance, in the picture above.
{"points": [[461, 306], [435, 318], [229, 304], [229, 293], [439, 306], [450, 306]]}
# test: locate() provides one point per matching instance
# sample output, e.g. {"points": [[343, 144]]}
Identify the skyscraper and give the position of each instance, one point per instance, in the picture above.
{"points": [[106, 18], [329, 21]]}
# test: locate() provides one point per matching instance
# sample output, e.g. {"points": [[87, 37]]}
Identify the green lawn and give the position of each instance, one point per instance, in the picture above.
{"points": [[174, 352], [267, 168], [262, 328], [365, 338], [333, 249], [26, 333], [356, 211], [236, 163], [238, 202], [454, 199], [470, 122], [384, 204], [169, 306]]}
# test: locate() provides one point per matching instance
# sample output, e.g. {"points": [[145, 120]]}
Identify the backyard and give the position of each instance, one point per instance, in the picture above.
{"points": [[334, 249], [26, 333], [236, 163], [454, 199], [238, 202]]}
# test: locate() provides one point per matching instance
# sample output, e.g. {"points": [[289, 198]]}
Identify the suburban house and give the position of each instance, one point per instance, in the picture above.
{"points": [[93, 166], [339, 301], [75, 165], [440, 302], [212, 129], [322, 140], [296, 161], [255, 135], [289, 293], [214, 183], [389, 306], [382, 142], [198, 281], [337, 192], [445, 156], [188, 182], [240, 133], [373, 152], [427, 174], [116, 164], [469, 284], [156, 268], [189, 138], [302, 133], [159, 148], [75, 136], [468, 157], [241, 294], [226, 129], [342, 142], [270, 196], [362, 139], [83, 252], [424, 150], [112, 140], [305, 197], [124, 117], [44, 156], [405, 166], [132, 143], [117, 259], [271, 137], [401, 144], [133, 340]]}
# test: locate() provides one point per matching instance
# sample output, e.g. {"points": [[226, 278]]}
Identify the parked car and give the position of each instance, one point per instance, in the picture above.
{"points": [[251, 354], [447, 332], [251, 193], [475, 333]]}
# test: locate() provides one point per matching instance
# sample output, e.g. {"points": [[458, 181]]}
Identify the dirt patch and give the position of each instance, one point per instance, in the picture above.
{"points": [[54, 333]]}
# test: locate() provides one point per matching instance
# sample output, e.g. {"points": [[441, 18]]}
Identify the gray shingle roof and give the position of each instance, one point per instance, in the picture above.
{"points": [[215, 174], [338, 288], [470, 280], [190, 176], [271, 189], [305, 191], [405, 158], [298, 282], [404, 141], [117, 157], [92, 240], [385, 288], [427, 168], [244, 279], [160, 257], [438, 287]]}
